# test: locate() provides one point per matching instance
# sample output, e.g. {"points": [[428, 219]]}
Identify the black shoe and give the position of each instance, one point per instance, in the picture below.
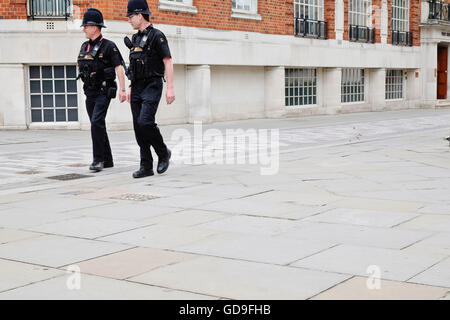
{"points": [[142, 172], [108, 164], [96, 166], [163, 164]]}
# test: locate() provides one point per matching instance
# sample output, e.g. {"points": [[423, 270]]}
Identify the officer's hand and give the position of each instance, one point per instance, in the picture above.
{"points": [[122, 96], [170, 95], [129, 94]]}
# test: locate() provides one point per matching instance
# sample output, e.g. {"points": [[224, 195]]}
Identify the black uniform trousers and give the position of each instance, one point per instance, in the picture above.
{"points": [[97, 105], [145, 97]]}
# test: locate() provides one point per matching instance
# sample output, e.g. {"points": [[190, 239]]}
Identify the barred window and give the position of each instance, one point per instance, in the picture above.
{"points": [[53, 93], [300, 87], [394, 84], [400, 15], [359, 13], [49, 8], [308, 9], [245, 5], [352, 85]]}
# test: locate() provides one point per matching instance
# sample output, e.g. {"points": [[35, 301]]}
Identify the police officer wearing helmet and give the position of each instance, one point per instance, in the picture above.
{"points": [[99, 61], [150, 58]]}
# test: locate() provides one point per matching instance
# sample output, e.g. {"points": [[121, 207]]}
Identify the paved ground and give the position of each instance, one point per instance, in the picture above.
{"points": [[356, 198]]}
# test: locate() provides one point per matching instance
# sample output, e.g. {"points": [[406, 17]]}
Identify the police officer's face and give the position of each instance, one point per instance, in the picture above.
{"points": [[135, 20], [90, 31]]}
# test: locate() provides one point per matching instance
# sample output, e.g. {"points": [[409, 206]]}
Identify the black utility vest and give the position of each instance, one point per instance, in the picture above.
{"points": [[93, 71], [144, 58]]}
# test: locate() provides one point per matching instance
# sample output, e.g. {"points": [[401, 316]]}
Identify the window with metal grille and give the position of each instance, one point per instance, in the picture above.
{"points": [[300, 87], [359, 13], [394, 84], [352, 85], [308, 16], [53, 93], [400, 15], [49, 8], [308, 9], [245, 5]]}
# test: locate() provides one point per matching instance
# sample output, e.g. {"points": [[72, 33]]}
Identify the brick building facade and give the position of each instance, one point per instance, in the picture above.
{"points": [[235, 59]]}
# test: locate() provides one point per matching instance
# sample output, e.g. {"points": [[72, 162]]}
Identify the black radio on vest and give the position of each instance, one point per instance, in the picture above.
{"points": [[94, 73], [144, 60]]}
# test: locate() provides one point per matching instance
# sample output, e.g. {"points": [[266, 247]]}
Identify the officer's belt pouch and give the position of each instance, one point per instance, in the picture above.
{"points": [[109, 73], [111, 92]]}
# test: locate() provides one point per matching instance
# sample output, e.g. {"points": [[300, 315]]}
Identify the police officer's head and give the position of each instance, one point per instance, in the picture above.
{"points": [[92, 22], [138, 13]]}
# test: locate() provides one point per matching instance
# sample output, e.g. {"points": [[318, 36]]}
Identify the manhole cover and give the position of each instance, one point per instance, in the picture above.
{"points": [[70, 176], [30, 172], [134, 197], [77, 165]]}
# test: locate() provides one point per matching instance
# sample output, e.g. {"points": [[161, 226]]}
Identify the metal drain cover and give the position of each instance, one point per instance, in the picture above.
{"points": [[70, 176], [134, 197], [30, 172]]}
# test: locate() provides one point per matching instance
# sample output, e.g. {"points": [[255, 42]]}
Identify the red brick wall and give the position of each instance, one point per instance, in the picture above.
{"points": [[277, 15], [13, 9], [328, 12]]}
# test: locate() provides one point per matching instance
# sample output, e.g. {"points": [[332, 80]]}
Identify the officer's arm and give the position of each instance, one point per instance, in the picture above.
{"points": [[170, 93], [121, 76]]}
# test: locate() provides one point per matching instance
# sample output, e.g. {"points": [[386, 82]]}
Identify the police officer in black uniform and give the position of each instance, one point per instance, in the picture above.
{"points": [[150, 58], [98, 62]]}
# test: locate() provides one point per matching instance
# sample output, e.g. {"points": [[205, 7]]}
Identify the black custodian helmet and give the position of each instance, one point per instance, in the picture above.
{"points": [[93, 17], [137, 6]]}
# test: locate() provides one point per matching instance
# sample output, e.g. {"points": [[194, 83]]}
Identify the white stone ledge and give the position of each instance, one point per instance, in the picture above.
{"points": [[238, 14], [178, 7]]}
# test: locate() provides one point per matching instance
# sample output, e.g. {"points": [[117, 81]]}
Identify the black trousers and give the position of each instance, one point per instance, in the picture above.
{"points": [[97, 106], [145, 97]]}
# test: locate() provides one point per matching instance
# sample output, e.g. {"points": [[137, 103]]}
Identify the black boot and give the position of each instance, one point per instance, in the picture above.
{"points": [[143, 172], [96, 166], [163, 164], [108, 164]]}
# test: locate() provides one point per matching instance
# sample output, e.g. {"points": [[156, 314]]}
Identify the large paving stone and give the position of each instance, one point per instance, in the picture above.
{"points": [[16, 274], [87, 227], [240, 279], [96, 288], [256, 248], [429, 222], [437, 275], [250, 225], [356, 260], [160, 236], [357, 289], [369, 218], [10, 235], [132, 212], [57, 251], [393, 238], [186, 218], [128, 263]]}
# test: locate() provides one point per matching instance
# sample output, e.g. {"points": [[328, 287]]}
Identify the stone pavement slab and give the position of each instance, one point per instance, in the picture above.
{"points": [[356, 260], [16, 274], [132, 262], [97, 288], [356, 288], [437, 275], [369, 218], [250, 225], [160, 236], [258, 248], [10, 235], [388, 238], [87, 227], [236, 279], [186, 218], [138, 211], [429, 222], [57, 251]]}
